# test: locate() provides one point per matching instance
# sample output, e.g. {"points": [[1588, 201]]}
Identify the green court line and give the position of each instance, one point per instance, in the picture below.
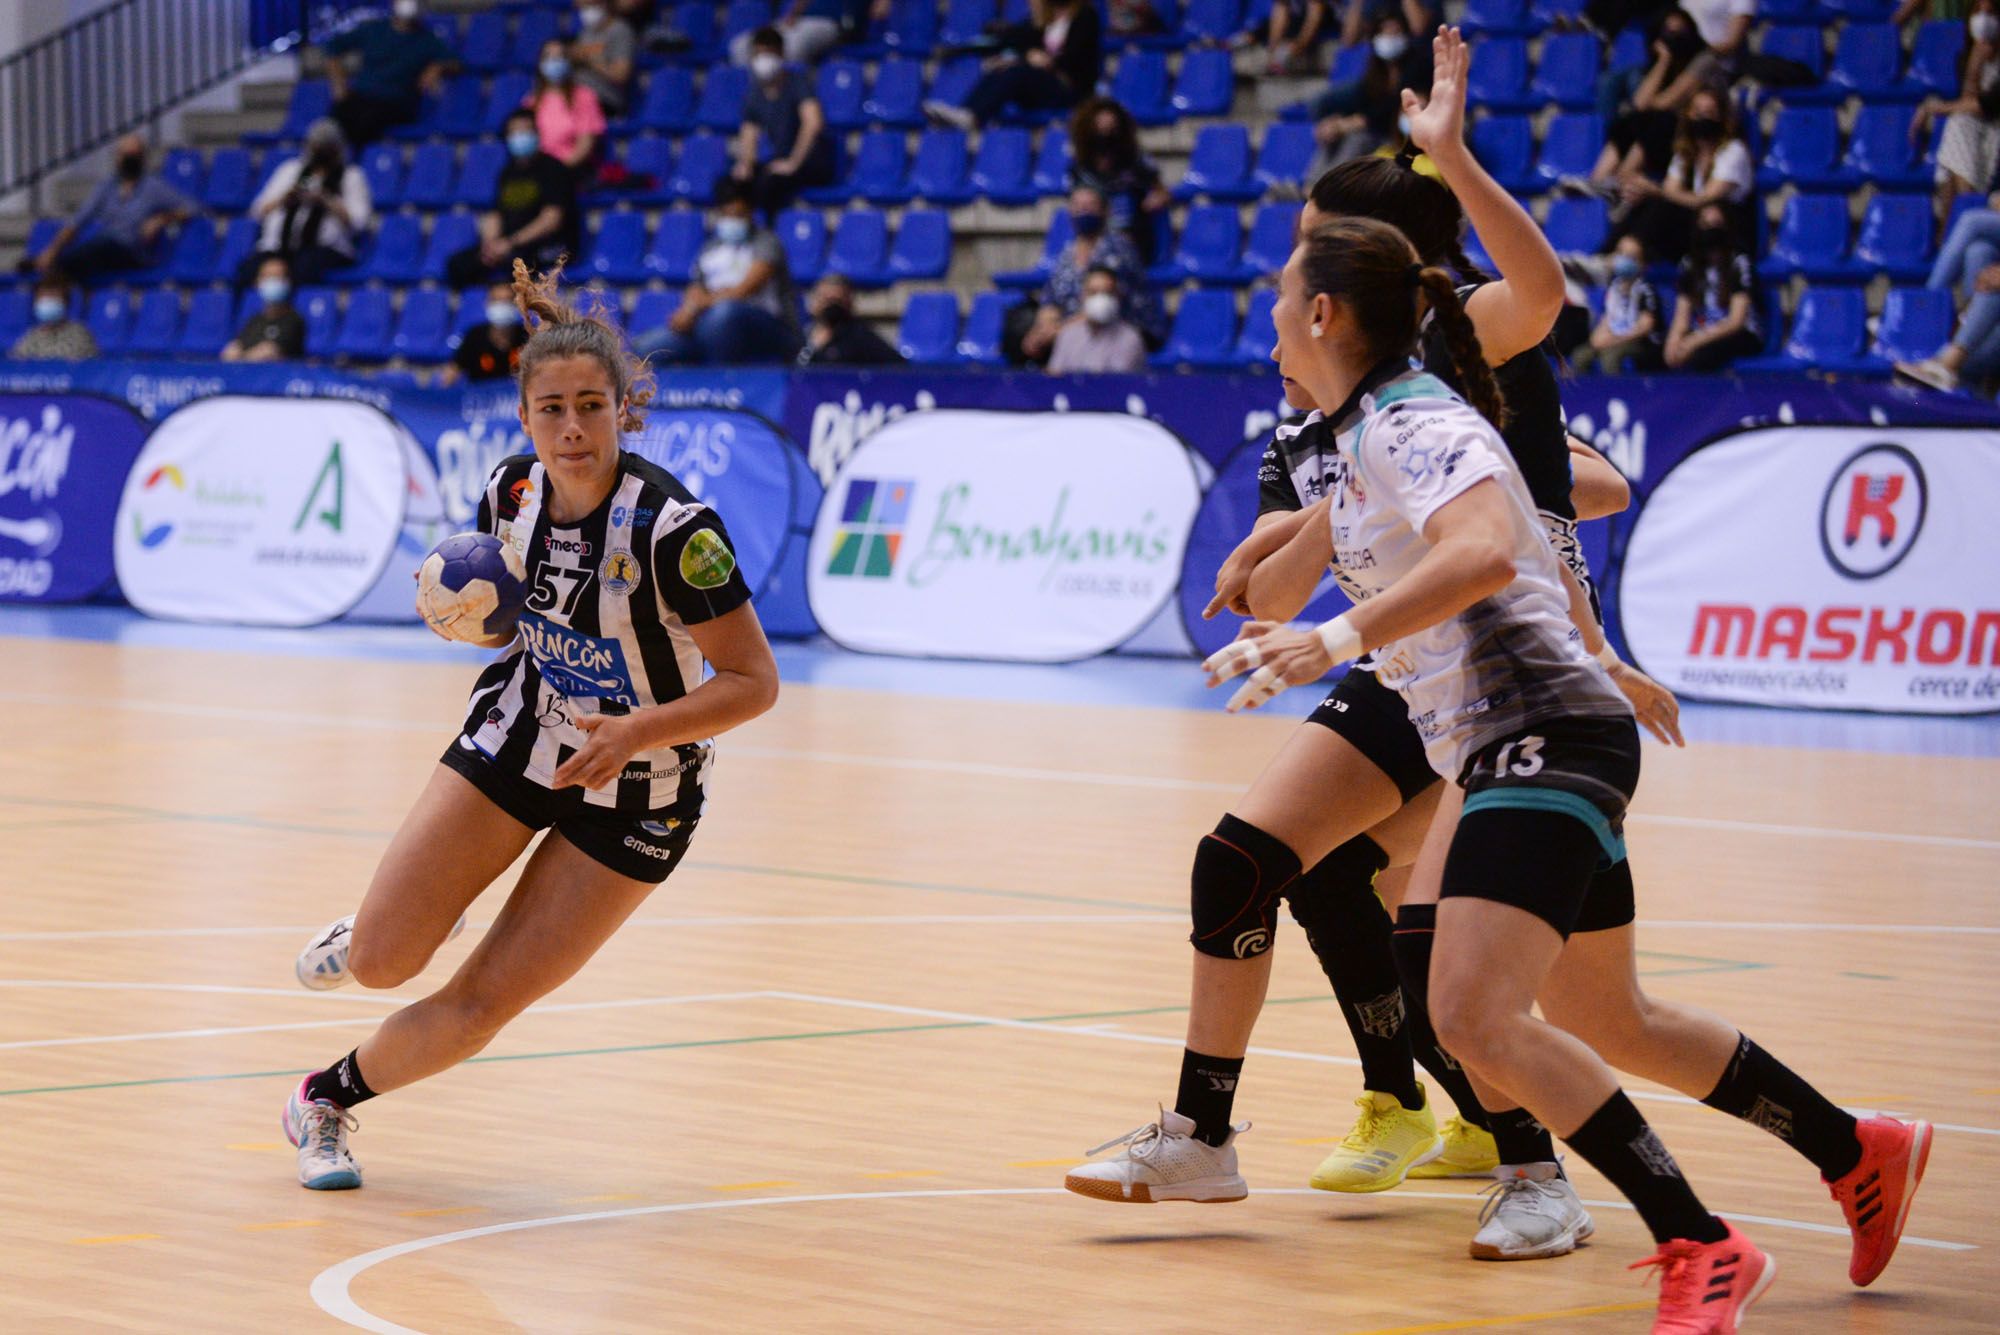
{"points": [[1696, 963]]}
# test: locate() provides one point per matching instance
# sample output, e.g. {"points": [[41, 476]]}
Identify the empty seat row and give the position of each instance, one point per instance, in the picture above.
{"points": [[859, 247], [1805, 149], [1829, 331], [1896, 237], [1213, 248]]}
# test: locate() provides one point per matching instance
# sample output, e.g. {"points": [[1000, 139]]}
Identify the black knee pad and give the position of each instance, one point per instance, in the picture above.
{"points": [[1334, 899], [1240, 873]]}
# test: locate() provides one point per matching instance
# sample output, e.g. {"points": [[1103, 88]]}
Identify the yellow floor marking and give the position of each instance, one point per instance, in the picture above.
{"points": [[442, 1209], [607, 1196], [749, 1186], [1994, 1090], [1482, 1322], [259, 1146], [282, 1223], [908, 1172], [1046, 1163], [114, 1237]]}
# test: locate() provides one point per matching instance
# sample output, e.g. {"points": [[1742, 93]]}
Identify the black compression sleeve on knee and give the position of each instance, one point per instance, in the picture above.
{"points": [[1349, 932], [1416, 929], [1240, 873]]}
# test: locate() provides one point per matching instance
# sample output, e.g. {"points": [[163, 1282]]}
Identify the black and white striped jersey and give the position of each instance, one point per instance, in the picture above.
{"points": [[605, 630]]}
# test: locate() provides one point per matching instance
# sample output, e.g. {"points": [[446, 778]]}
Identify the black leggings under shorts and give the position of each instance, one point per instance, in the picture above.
{"points": [[645, 848], [1377, 722]]}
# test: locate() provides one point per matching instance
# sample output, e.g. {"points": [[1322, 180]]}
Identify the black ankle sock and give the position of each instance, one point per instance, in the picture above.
{"points": [[1616, 1141], [1519, 1137], [1208, 1091], [1416, 929], [1766, 1093], [1349, 932], [341, 1083]]}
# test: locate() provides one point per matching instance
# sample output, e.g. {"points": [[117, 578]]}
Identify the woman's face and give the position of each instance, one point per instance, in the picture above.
{"points": [[1293, 318], [570, 412], [1704, 106]]}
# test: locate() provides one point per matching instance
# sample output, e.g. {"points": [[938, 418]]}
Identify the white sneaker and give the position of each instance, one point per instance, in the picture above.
{"points": [[322, 965], [1930, 371], [319, 1129], [952, 117], [1531, 1212], [1164, 1162]]}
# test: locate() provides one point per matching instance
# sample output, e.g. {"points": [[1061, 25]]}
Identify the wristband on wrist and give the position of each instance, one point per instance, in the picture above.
{"points": [[1342, 641], [1607, 657]]}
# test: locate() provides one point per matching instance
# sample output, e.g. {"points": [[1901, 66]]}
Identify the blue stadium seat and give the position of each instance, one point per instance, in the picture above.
{"points": [[395, 254], [928, 334], [479, 175], [1219, 166], [617, 252], [955, 80], [108, 316], [311, 99], [939, 171], [1806, 46], [231, 185], [843, 87], [483, 48], [1499, 78], [1503, 18], [1212, 20], [1577, 226], [1253, 345], [1867, 59], [1788, 11], [1802, 148], [1829, 328], [1869, 10], [912, 28], [470, 310], [532, 29], [1140, 82], [676, 245], [1211, 248], [192, 260], [239, 241], [652, 311], [722, 95], [923, 245], [802, 232], [157, 326], [1895, 237], [1203, 333], [451, 233], [1916, 322], [433, 172], [382, 164], [208, 324], [1001, 168], [14, 315], [984, 324], [648, 157], [695, 20], [460, 113], [183, 170], [1570, 146], [321, 308], [1052, 164], [40, 234], [1349, 63], [880, 165], [1567, 72], [704, 160], [1811, 239], [965, 21], [1206, 85], [1879, 150], [1271, 233], [1505, 146], [1628, 50], [1548, 11], [422, 326], [1934, 59], [510, 88], [1286, 155], [897, 96], [860, 248], [1059, 235], [365, 327], [668, 105]]}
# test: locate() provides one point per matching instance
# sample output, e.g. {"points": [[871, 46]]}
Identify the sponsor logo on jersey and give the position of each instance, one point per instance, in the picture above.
{"points": [[580, 666], [620, 571], [633, 514], [659, 829], [670, 771], [706, 561], [567, 546], [520, 493], [873, 514], [638, 845], [1873, 511]]}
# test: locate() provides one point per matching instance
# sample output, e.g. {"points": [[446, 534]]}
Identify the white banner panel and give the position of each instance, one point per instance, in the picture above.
{"points": [[265, 511], [424, 526], [1825, 567], [1036, 537]]}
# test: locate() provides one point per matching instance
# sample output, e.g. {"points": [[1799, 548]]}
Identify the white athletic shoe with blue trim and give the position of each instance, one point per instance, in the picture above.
{"points": [[319, 1129], [322, 965]]}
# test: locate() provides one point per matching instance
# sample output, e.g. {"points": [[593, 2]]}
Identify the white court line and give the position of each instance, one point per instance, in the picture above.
{"points": [[742, 920], [1939, 929], [330, 1288], [294, 993]]}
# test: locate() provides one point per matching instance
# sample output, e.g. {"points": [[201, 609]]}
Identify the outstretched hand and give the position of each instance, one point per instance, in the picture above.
{"points": [[1438, 125], [1275, 655]]}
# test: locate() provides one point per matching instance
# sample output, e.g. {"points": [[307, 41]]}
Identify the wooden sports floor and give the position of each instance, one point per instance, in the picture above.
{"points": [[926, 951]]}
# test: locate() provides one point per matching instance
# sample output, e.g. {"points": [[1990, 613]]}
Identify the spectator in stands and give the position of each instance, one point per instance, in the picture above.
{"points": [[313, 210], [1061, 58], [120, 226], [1095, 247], [398, 61], [491, 350], [740, 308], [569, 121], [1098, 338], [807, 30], [1610, 17], [54, 336], [1292, 32], [534, 213], [1911, 10], [276, 332], [1361, 16], [1724, 27], [601, 53], [1716, 320], [1127, 19], [1630, 328], [1710, 165], [1965, 157], [780, 111], [1357, 116], [1105, 157], [1639, 137], [836, 337], [1969, 267]]}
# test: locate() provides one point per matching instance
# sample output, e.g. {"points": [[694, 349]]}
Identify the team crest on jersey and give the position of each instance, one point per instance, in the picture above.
{"points": [[620, 571], [706, 561]]}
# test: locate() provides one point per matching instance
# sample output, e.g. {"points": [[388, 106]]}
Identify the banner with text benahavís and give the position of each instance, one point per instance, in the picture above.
{"points": [[63, 462]]}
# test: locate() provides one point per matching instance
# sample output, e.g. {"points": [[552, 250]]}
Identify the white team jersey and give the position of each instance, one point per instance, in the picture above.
{"points": [[1507, 662]]}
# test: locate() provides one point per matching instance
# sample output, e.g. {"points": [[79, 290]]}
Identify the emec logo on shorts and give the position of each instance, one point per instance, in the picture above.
{"points": [[873, 514]]}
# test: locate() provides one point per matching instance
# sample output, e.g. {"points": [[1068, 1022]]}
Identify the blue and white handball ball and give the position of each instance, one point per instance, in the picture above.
{"points": [[472, 588]]}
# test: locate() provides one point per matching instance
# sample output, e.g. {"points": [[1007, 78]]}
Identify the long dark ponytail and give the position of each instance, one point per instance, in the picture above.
{"points": [[1393, 191]]}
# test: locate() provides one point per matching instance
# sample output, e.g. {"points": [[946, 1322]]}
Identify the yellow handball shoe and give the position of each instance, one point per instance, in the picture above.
{"points": [[1387, 1141], [1468, 1152]]}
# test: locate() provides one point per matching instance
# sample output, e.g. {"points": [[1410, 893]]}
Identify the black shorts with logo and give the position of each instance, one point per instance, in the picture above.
{"points": [[644, 848], [1377, 722]]}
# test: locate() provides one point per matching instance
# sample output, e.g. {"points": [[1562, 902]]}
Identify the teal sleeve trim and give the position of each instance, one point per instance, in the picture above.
{"points": [[1527, 798]]}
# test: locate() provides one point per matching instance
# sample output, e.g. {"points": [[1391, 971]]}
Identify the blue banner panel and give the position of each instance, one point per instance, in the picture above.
{"points": [[63, 461]]}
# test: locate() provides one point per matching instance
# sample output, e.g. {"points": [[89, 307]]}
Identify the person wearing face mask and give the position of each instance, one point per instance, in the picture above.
{"points": [[313, 210], [1971, 142], [601, 54], [1050, 64], [121, 226], [1641, 118], [740, 308], [1095, 247], [1629, 330], [568, 119], [276, 332], [1716, 320], [782, 146], [807, 30], [54, 336], [1097, 339], [534, 213], [491, 350], [837, 338], [1355, 117], [1105, 157], [395, 62], [1710, 166]]}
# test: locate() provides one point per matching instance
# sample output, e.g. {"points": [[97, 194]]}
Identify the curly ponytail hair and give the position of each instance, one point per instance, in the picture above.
{"points": [[563, 330], [1366, 265], [1395, 192]]}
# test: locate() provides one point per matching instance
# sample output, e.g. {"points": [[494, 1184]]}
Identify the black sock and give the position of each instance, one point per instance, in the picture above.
{"points": [[1616, 1141], [1520, 1138], [1350, 934], [1416, 929], [341, 1083], [1766, 1093], [1208, 1091]]}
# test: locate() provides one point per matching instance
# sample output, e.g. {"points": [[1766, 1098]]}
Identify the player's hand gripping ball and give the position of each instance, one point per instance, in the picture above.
{"points": [[472, 588]]}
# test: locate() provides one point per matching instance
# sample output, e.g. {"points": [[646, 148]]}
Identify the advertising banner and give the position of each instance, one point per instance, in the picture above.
{"points": [[63, 461], [268, 512], [1824, 567], [1039, 537], [424, 526]]}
